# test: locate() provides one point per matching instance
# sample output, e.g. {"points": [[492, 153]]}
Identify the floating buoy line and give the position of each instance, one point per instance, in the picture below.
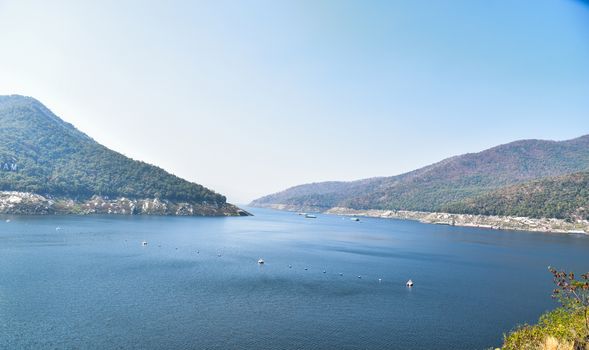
{"points": [[261, 261]]}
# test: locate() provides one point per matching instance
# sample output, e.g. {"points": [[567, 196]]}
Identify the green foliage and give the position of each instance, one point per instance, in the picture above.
{"points": [[560, 323], [567, 324], [564, 197], [573, 293], [56, 159], [444, 186]]}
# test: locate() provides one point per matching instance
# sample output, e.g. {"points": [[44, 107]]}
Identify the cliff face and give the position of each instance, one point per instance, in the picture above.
{"points": [[24, 203]]}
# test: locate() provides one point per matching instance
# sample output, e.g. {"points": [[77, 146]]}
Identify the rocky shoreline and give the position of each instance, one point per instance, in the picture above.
{"points": [[466, 220], [25, 203]]}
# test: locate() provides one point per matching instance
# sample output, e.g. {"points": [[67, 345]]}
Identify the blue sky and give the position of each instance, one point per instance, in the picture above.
{"points": [[250, 97]]}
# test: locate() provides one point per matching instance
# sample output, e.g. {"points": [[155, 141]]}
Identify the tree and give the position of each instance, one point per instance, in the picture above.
{"points": [[573, 294]]}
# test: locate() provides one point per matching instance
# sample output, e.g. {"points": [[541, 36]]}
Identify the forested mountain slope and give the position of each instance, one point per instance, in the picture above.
{"points": [[434, 187], [42, 154]]}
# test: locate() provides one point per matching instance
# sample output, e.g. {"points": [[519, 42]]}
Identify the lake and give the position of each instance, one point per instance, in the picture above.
{"points": [[87, 282]]}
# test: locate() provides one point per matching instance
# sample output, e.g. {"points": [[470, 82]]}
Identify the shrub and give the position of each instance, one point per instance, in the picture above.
{"points": [[566, 327]]}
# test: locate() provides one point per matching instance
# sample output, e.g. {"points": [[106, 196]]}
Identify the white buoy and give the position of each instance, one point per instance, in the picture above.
{"points": [[379, 280], [7, 220], [409, 283], [359, 276]]}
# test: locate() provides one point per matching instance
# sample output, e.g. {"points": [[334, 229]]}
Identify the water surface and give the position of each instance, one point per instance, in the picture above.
{"points": [[87, 282]]}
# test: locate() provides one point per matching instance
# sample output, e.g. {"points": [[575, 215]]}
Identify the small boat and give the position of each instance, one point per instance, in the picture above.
{"points": [[409, 283], [310, 216], [7, 220], [144, 243], [354, 219], [261, 261], [303, 214]]}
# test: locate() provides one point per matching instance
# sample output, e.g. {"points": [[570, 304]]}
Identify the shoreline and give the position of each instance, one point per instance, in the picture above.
{"points": [[26, 203], [463, 220]]}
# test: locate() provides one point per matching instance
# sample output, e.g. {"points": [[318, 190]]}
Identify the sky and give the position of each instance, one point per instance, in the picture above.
{"points": [[251, 97]]}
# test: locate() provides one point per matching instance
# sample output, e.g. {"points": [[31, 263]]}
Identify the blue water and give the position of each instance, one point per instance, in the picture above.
{"points": [[91, 284]]}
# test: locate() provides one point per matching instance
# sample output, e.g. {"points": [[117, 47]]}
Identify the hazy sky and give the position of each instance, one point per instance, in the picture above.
{"points": [[250, 97]]}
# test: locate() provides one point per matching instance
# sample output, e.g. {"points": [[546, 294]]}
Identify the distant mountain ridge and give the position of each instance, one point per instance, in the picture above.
{"points": [[435, 187], [42, 154]]}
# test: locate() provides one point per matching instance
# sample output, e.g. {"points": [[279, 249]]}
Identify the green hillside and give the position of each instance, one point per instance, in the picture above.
{"points": [[42, 154], [563, 197], [434, 187]]}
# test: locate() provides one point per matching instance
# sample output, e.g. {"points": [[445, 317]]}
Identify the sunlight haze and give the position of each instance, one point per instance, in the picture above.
{"points": [[248, 98]]}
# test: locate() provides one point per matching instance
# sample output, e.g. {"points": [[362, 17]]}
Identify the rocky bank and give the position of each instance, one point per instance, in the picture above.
{"points": [[483, 221], [24, 203]]}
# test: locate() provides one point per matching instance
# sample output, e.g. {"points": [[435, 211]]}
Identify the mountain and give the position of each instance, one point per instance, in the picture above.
{"points": [[43, 155], [562, 197], [434, 187], [318, 196]]}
